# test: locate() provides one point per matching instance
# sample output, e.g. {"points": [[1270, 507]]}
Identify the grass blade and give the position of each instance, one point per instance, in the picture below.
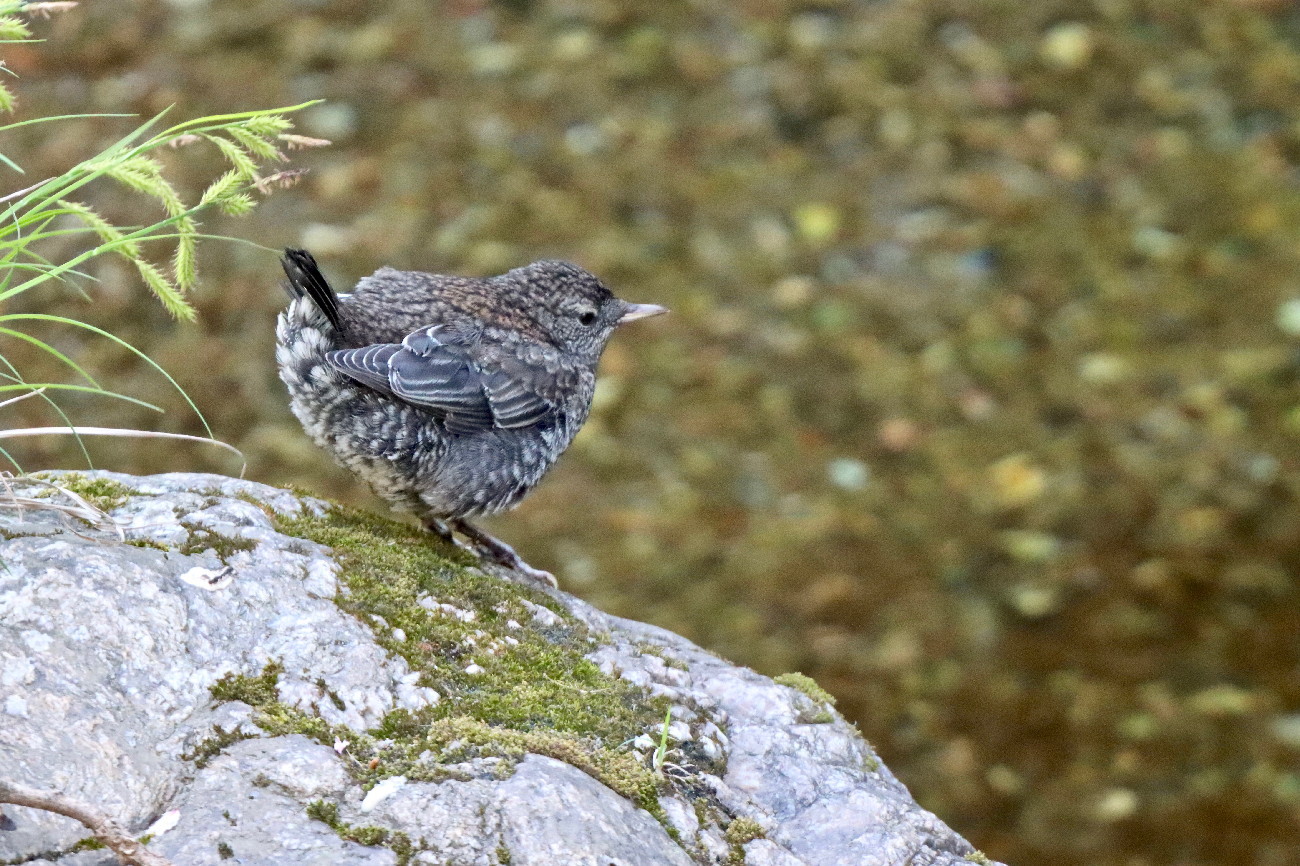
{"points": [[44, 317]]}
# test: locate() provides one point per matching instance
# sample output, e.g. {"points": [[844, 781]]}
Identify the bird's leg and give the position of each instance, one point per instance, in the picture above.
{"points": [[440, 529], [444, 532], [500, 552]]}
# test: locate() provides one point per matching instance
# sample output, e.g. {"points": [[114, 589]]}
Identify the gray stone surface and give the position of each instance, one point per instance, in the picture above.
{"points": [[547, 812], [108, 651], [251, 798]]}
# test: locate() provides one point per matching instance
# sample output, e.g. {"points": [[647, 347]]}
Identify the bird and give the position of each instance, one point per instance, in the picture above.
{"points": [[449, 396]]}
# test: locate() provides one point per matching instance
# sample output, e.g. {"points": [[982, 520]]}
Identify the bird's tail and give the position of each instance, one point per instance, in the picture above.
{"points": [[305, 278]]}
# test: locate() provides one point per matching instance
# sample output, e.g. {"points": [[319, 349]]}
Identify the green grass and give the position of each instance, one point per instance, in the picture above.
{"points": [[43, 216]]}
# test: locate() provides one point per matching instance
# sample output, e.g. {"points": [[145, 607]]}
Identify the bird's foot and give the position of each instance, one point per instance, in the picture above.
{"points": [[493, 548], [440, 529], [446, 534]]}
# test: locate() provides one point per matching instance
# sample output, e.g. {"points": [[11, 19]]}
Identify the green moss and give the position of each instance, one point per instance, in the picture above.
{"points": [[147, 544], [202, 539], [9, 535], [89, 843], [979, 857], [822, 699], [403, 744], [532, 678], [504, 857], [255, 691], [224, 851], [214, 745], [331, 694], [400, 844], [807, 685], [280, 720], [370, 835], [103, 493], [324, 811], [530, 690], [659, 652], [461, 738], [739, 833]]}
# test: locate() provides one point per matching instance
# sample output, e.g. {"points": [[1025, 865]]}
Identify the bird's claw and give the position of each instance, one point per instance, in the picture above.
{"points": [[537, 574], [445, 534], [490, 548]]}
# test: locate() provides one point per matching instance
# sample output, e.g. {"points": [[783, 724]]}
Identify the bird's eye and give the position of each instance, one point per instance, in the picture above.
{"points": [[588, 317]]}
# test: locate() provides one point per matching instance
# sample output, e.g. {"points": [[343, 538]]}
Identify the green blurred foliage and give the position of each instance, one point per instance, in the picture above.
{"points": [[979, 399]]}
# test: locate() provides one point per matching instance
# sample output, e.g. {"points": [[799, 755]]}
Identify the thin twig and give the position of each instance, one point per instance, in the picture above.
{"points": [[106, 830]]}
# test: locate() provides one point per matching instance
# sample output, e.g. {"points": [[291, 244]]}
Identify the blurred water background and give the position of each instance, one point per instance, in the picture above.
{"points": [[979, 399]]}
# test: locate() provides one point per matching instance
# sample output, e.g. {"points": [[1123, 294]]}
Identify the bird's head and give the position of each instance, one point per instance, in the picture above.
{"points": [[573, 308]]}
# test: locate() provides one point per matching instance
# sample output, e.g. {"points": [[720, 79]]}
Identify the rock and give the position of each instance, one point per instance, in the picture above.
{"points": [[266, 704]]}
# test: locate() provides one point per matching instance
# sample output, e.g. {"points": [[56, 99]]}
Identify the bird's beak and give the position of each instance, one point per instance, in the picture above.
{"points": [[640, 311]]}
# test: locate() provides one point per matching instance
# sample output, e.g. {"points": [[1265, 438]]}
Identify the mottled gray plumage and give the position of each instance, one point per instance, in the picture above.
{"points": [[450, 396]]}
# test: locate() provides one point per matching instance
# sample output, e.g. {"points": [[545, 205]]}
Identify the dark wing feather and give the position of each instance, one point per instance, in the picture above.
{"points": [[368, 365], [513, 405], [434, 370]]}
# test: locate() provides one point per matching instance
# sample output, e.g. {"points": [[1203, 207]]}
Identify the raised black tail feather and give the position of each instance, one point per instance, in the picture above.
{"points": [[305, 278]]}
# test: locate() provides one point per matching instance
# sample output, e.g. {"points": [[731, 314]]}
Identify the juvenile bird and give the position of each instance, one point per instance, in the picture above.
{"points": [[450, 396]]}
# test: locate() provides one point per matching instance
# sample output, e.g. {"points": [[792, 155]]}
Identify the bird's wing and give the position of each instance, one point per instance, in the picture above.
{"points": [[368, 365], [513, 404], [435, 370]]}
